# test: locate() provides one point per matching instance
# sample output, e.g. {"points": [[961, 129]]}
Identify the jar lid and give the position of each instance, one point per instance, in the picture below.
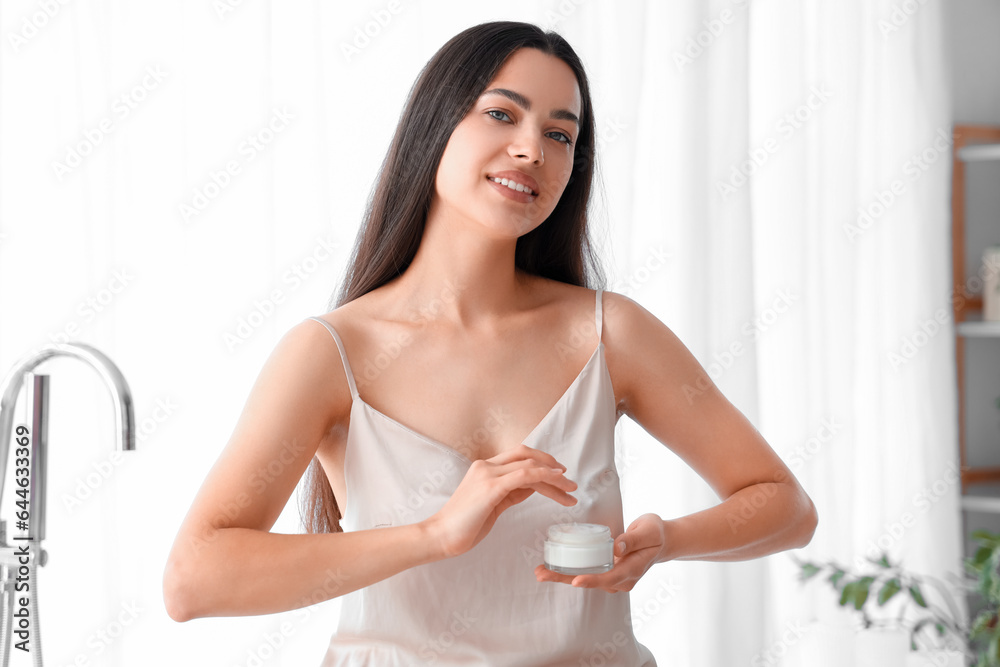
{"points": [[579, 533]]}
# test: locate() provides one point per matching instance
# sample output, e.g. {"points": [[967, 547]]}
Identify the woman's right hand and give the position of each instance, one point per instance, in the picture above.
{"points": [[491, 486]]}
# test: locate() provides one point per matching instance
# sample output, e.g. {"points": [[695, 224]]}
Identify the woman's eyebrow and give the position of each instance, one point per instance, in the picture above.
{"points": [[523, 102]]}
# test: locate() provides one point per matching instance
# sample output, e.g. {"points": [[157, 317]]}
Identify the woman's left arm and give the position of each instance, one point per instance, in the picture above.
{"points": [[663, 388]]}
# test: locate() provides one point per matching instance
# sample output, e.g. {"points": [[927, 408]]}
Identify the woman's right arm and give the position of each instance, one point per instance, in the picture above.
{"points": [[224, 561]]}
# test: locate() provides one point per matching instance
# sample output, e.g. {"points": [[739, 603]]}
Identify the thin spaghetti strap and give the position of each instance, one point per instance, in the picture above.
{"points": [[598, 316], [343, 356]]}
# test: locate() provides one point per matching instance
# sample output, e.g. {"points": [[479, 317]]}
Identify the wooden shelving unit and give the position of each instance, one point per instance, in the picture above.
{"points": [[972, 143]]}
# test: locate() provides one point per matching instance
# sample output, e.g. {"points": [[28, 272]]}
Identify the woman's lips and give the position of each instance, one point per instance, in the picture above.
{"points": [[523, 197]]}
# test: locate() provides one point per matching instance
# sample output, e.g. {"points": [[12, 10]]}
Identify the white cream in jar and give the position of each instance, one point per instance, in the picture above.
{"points": [[579, 548]]}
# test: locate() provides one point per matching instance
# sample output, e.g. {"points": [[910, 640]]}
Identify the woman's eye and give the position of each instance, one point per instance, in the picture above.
{"points": [[566, 140]]}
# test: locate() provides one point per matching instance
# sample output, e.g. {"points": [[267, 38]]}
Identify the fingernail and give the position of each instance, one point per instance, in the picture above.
{"points": [[621, 547]]}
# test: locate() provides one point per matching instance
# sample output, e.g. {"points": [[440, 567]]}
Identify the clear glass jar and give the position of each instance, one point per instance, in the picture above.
{"points": [[579, 548]]}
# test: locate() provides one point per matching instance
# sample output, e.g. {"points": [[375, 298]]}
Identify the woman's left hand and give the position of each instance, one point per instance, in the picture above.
{"points": [[644, 541]]}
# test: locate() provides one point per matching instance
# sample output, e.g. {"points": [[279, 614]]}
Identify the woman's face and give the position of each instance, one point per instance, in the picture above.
{"points": [[500, 135]]}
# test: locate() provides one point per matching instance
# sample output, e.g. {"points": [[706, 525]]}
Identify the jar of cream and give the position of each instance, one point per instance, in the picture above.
{"points": [[579, 548]]}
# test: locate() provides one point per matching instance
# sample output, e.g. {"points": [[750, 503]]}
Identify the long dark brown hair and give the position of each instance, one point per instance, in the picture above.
{"points": [[444, 92]]}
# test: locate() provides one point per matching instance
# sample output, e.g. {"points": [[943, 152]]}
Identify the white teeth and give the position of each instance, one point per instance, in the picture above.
{"points": [[513, 186]]}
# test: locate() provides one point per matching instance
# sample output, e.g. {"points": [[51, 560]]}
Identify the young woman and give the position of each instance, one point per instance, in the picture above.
{"points": [[462, 397]]}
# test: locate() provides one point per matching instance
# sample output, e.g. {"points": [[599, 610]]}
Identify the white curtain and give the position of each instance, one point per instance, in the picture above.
{"points": [[852, 216], [180, 183], [768, 126]]}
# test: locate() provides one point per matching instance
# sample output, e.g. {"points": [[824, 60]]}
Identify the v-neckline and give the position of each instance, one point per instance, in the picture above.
{"points": [[452, 450]]}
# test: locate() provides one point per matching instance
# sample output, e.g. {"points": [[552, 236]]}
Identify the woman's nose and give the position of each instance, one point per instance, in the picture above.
{"points": [[528, 147]]}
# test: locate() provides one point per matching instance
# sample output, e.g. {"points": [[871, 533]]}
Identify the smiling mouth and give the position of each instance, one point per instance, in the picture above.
{"points": [[517, 187]]}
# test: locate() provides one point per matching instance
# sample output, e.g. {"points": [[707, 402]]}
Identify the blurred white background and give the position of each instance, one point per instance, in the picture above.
{"points": [[119, 227]]}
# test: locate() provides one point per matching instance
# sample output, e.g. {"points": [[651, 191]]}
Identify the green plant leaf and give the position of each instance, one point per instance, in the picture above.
{"points": [[861, 591], [982, 555], [881, 561], [980, 626], [809, 571], [917, 596], [985, 536], [989, 579], [836, 577], [847, 594], [889, 589]]}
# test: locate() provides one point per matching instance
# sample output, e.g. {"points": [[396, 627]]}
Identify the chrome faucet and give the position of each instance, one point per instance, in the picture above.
{"points": [[11, 388], [13, 560]]}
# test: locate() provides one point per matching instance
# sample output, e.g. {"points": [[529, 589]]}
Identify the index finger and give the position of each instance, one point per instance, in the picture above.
{"points": [[524, 451]]}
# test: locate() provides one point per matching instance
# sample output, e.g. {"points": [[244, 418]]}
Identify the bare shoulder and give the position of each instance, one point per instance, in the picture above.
{"points": [[624, 326], [315, 339], [674, 399], [638, 346], [285, 418]]}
